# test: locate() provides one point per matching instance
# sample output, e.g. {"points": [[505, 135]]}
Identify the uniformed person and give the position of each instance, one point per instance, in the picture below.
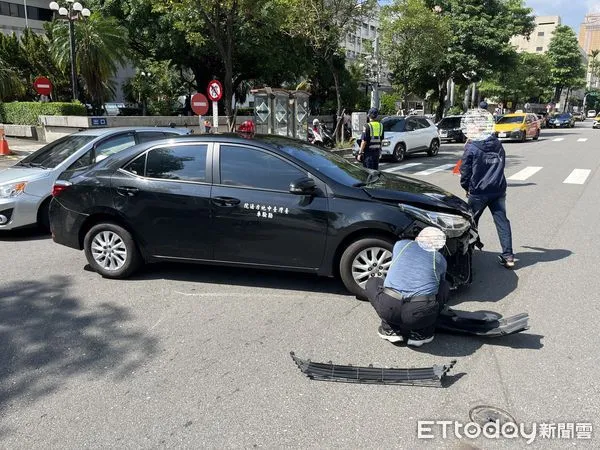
{"points": [[370, 146]]}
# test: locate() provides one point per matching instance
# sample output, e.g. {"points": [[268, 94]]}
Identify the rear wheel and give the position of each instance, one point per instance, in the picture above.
{"points": [[364, 259], [111, 251], [434, 148]]}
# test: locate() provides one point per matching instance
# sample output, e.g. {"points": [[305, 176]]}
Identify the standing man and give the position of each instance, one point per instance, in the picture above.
{"points": [[414, 292], [370, 146], [482, 177]]}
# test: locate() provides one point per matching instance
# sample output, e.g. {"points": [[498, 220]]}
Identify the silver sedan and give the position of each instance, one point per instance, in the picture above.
{"points": [[26, 187]]}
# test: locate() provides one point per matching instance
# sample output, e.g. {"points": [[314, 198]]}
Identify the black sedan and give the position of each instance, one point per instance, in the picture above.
{"points": [[265, 202], [563, 120]]}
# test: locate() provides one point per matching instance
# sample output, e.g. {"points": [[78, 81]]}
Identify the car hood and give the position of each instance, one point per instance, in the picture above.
{"points": [[15, 174], [508, 126], [402, 189]]}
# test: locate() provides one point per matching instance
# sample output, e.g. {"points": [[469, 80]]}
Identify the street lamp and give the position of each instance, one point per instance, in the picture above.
{"points": [[72, 12]]}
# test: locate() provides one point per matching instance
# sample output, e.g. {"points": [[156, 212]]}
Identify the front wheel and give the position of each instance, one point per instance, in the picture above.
{"points": [[398, 153], [111, 251], [537, 135], [434, 148], [364, 259]]}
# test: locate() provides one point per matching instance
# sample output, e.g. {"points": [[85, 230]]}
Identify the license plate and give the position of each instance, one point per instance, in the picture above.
{"points": [[501, 134], [443, 133]]}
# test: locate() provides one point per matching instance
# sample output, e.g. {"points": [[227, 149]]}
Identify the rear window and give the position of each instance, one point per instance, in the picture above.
{"points": [[514, 119]]}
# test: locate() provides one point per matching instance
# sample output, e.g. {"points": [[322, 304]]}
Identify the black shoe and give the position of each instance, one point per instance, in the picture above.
{"points": [[417, 338], [389, 335], [507, 261]]}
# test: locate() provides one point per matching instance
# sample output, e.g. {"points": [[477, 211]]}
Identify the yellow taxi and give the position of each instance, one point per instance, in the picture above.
{"points": [[596, 122], [518, 127]]}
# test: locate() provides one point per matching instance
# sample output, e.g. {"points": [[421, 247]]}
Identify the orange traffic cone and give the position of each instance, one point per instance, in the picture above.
{"points": [[4, 150], [456, 170]]}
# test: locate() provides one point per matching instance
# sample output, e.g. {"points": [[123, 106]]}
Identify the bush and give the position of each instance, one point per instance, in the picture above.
{"points": [[1, 112], [26, 113]]}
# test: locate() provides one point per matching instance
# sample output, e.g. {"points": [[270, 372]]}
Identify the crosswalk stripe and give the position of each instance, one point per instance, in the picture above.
{"points": [[405, 166], [581, 139], [522, 175], [558, 139], [578, 176], [435, 169]]}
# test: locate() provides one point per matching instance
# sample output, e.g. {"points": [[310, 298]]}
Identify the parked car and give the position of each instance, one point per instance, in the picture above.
{"points": [[596, 123], [25, 188], [449, 129], [261, 202], [404, 135], [591, 113], [518, 126], [578, 116], [562, 120]]}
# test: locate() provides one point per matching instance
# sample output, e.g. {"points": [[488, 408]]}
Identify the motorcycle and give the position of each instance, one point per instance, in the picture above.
{"points": [[320, 137]]}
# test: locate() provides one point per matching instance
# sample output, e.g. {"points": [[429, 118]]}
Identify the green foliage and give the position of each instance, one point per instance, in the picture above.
{"points": [[387, 103], [567, 62], [26, 113]]}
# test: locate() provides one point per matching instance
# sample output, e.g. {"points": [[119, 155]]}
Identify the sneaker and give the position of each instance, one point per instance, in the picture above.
{"points": [[419, 342], [507, 261], [389, 335]]}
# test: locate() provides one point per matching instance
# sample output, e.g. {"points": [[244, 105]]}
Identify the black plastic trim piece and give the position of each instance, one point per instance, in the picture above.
{"points": [[427, 376], [481, 323]]}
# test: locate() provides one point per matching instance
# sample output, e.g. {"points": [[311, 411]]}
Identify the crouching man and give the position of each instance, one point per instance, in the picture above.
{"points": [[414, 291]]}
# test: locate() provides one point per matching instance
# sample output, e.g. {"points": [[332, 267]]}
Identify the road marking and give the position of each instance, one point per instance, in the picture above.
{"points": [[435, 169], [582, 139], [558, 139], [405, 166], [578, 176], [525, 173]]}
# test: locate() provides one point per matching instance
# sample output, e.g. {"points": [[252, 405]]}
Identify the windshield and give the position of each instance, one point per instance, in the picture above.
{"points": [[327, 163], [562, 116], [56, 152], [450, 122], [393, 124], [513, 119]]}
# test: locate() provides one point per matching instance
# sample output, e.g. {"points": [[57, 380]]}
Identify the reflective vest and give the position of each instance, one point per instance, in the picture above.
{"points": [[376, 131]]}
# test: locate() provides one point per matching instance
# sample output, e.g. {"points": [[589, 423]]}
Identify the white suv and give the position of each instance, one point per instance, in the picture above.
{"points": [[591, 113], [403, 135]]}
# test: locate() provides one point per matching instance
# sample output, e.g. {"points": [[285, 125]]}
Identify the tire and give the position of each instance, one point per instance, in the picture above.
{"points": [[434, 148], [43, 216], [120, 238], [399, 153], [537, 135], [524, 138], [360, 251]]}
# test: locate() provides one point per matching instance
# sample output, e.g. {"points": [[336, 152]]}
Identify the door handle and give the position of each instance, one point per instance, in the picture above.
{"points": [[226, 201], [126, 191]]}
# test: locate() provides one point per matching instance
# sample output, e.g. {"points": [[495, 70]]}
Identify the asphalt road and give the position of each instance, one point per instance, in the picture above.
{"points": [[198, 357]]}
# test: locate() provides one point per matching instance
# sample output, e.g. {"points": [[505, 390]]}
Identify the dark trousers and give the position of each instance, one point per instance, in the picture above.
{"points": [[370, 159], [404, 316], [497, 205]]}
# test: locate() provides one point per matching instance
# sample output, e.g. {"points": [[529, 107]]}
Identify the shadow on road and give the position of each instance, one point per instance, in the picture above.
{"points": [[241, 277], [47, 337], [540, 255], [521, 184], [24, 234]]}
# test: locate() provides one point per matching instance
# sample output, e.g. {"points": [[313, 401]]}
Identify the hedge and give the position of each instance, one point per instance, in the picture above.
{"points": [[26, 113]]}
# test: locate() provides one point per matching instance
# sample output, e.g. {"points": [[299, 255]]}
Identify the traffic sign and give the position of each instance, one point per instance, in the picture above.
{"points": [[199, 104], [215, 90], [42, 86]]}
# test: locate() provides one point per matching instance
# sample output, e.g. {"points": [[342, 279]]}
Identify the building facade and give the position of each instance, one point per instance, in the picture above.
{"points": [[589, 41], [16, 15], [539, 40]]}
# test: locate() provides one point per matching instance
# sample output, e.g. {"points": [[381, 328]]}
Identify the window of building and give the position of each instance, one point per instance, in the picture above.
{"points": [[540, 33], [17, 10], [539, 49]]}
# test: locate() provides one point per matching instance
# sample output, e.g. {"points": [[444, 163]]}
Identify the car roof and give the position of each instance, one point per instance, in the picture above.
{"points": [[98, 132]]}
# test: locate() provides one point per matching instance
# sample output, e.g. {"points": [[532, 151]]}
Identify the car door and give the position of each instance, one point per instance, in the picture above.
{"points": [[164, 194], [256, 218], [413, 135], [428, 132]]}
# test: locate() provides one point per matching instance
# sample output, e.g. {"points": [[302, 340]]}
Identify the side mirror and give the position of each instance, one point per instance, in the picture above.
{"points": [[303, 186]]}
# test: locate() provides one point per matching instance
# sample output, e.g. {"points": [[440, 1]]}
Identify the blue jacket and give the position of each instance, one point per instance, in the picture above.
{"points": [[482, 169]]}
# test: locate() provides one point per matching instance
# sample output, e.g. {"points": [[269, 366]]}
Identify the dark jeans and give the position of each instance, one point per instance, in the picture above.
{"points": [[370, 159], [403, 316], [497, 205]]}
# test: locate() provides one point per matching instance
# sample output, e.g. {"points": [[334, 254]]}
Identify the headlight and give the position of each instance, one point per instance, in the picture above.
{"points": [[450, 224], [385, 143], [12, 189]]}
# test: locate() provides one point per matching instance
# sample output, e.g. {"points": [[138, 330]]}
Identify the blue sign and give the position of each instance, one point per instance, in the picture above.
{"points": [[99, 121]]}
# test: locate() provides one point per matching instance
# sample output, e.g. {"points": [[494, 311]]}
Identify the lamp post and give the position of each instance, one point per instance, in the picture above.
{"points": [[72, 12]]}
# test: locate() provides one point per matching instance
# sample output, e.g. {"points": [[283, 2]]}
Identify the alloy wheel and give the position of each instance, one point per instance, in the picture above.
{"points": [[109, 250], [370, 262]]}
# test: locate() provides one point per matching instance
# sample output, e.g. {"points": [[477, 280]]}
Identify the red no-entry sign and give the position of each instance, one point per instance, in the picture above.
{"points": [[42, 86], [215, 90], [199, 104]]}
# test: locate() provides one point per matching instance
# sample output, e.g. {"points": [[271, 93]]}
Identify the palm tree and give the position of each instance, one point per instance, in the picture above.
{"points": [[594, 66], [101, 47]]}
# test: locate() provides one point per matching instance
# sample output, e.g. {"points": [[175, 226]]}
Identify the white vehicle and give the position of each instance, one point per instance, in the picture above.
{"points": [[591, 113], [404, 135]]}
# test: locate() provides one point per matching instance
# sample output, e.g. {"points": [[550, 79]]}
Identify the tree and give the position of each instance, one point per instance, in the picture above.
{"points": [[594, 66], [10, 84], [567, 64], [323, 24], [414, 42], [101, 48]]}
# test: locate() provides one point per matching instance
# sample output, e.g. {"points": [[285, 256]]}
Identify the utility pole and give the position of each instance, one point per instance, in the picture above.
{"points": [[376, 69]]}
